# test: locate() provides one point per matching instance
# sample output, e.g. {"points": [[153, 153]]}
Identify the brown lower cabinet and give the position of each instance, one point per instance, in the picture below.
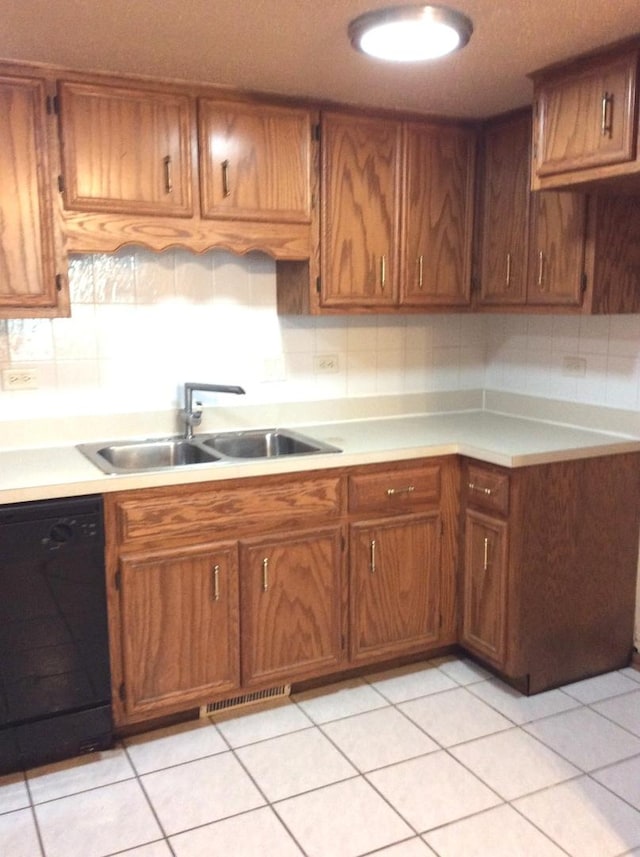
{"points": [[222, 588]]}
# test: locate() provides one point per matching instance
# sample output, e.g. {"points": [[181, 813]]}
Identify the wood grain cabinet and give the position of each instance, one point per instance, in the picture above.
{"points": [[255, 161], [126, 150], [549, 567], [32, 274], [397, 202]]}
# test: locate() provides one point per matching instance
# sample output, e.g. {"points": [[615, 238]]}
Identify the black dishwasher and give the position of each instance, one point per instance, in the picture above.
{"points": [[55, 698]]}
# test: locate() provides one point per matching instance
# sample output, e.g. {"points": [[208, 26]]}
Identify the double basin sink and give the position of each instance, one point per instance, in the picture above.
{"points": [[131, 456]]}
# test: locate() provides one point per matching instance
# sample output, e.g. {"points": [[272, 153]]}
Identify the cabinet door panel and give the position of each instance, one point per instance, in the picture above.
{"points": [[485, 572], [126, 150], [557, 246], [292, 603], [438, 215], [27, 256], [395, 566], [360, 217], [180, 626], [255, 162]]}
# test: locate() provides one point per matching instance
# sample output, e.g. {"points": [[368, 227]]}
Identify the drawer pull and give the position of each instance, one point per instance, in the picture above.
{"points": [[541, 271], [408, 489], [226, 190], [216, 583], [474, 487], [486, 554], [507, 280], [420, 272], [372, 556], [168, 177], [265, 574], [606, 124]]}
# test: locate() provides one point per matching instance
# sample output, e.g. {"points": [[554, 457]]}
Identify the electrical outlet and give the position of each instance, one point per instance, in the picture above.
{"points": [[324, 363], [19, 379], [574, 366]]}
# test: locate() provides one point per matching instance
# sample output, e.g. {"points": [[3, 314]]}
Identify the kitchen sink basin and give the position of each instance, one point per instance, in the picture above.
{"points": [[264, 443], [134, 456]]}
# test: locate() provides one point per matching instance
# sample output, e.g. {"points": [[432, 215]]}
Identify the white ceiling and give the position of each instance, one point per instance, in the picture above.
{"points": [[300, 47]]}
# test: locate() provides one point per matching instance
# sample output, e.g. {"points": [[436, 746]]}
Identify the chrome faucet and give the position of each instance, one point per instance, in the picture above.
{"points": [[193, 417]]}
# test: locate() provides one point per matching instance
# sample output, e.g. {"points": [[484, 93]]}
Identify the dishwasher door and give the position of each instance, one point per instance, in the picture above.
{"points": [[54, 655]]}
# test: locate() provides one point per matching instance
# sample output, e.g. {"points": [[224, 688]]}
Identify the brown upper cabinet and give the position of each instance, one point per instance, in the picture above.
{"points": [[397, 201], [255, 161], [586, 115], [126, 151], [32, 276]]}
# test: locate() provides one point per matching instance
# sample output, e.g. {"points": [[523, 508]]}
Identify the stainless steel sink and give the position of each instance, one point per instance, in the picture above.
{"points": [[134, 456], [264, 443]]}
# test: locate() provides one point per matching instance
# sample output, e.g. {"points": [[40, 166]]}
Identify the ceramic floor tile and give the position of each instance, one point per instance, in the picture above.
{"points": [[295, 763], [200, 792], [623, 710], [79, 774], [623, 779], [464, 671], [514, 764], [585, 738], [13, 793], [258, 833], [163, 748], [339, 700], [432, 790], [98, 822], [274, 720], [18, 836], [378, 738], [600, 687], [154, 849], [584, 818], [499, 832], [454, 716], [410, 682], [415, 847], [518, 708], [631, 672], [345, 819]]}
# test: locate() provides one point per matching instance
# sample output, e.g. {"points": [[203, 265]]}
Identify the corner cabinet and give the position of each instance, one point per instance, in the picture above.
{"points": [[33, 280]]}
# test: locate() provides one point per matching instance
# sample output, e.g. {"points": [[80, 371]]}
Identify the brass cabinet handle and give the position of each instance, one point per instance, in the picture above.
{"points": [[168, 176], [540, 270], [372, 556], [606, 121], [420, 271], [265, 574], [226, 191], [507, 280], [383, 271], [486, 554], [216, 583], [408, 489], [473, 487]]}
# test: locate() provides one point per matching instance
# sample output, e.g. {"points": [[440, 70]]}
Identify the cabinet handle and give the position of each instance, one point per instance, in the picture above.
{"points": [[408, 489], [168, 177], [216, 583], [265, 574], [372, 556], [420, 271], [507, 280], [540, 270], [486, 554], [383, 272], [606, 123], [473, 487], [226, 191]]}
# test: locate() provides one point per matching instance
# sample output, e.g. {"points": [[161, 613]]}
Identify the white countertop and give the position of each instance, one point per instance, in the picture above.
{"points": [[510, 441]]}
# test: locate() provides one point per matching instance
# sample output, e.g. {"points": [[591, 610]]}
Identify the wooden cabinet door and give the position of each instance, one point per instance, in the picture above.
{"points": [[126, 150], [360, 178], [505, 220], [438, 213], [395, 573], [586, 118], [557, 248], [485, 587], [180, 627], [255, 162], [292, 605], [27, 250]]}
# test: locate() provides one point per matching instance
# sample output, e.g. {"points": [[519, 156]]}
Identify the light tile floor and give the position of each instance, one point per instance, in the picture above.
{"points": [[434, 759]]}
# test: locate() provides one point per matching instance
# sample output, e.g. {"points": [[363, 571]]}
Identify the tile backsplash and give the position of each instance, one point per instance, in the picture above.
{"points": [[143, 323]]}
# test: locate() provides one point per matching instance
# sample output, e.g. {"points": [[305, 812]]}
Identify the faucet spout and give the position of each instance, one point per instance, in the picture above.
{"points": [[193, 416]]}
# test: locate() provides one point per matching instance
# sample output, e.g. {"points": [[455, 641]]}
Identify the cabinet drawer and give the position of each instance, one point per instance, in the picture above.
{"points": [[398, 490], [487, 489]]}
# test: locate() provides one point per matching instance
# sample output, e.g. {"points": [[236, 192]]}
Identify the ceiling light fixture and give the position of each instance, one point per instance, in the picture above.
{"points": [[410, 33]]}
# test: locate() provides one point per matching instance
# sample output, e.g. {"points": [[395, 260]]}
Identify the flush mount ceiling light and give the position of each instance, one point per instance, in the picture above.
{"points": [[410, 33]]}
